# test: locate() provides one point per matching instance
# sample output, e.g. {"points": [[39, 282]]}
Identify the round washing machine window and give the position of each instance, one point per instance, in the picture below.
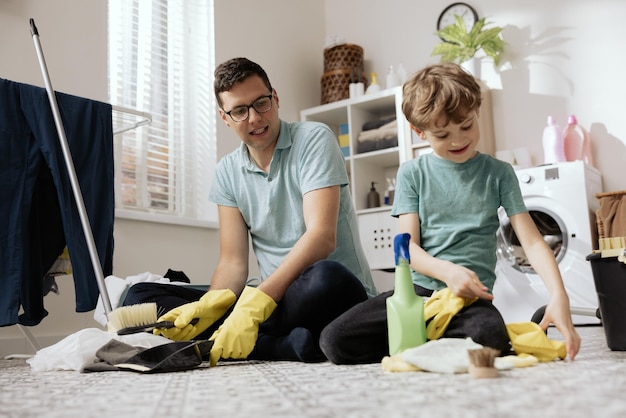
{"points": [[550, 226]]}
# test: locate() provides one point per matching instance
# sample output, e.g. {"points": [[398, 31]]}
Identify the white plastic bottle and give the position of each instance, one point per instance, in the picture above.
{"points": [[553, 151], [374, 86], [392, 78]]}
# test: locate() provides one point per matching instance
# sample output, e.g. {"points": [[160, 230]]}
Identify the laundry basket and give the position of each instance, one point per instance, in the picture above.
{"points": [[609, 276], [608, 265]]}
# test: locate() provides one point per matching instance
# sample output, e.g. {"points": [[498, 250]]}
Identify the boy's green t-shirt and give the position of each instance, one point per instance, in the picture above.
{"points": [[457, 205]]}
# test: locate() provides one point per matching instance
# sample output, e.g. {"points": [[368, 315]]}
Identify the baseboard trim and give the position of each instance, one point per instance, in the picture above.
{"points": [[20, 346]]}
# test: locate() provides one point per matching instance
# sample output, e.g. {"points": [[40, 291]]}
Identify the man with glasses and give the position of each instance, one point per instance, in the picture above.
{"points": [[285, 188]]}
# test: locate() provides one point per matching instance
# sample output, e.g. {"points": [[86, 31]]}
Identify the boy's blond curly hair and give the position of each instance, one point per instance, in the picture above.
{"points": [[440, 94]]}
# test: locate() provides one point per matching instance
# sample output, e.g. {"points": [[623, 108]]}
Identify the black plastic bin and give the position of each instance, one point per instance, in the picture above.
{"points": [[609, 276]]}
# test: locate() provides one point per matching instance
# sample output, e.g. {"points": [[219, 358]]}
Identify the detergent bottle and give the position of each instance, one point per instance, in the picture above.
{"points": [[553, 150], [373, 198], [405, 309], [374, 86], [577, 142], [573, 140]]}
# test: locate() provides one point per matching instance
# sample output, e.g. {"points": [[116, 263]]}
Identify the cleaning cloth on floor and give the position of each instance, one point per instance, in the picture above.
{"points": [[172, 357], [441, 307], [446, 355], [79, 348], [529, 338]]}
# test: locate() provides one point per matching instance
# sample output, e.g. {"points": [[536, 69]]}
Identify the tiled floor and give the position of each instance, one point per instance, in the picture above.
{"points": [[591, 386]]}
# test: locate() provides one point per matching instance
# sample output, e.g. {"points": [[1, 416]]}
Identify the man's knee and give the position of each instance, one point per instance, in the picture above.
{"points": [[331, 275], [139, 293]]}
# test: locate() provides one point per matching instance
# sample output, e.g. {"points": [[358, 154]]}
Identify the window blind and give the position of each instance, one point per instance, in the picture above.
{"points": [[160, 61]]}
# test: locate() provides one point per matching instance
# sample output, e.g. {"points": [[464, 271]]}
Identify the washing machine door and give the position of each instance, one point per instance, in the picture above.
{"points": [[550, 226], [519, 292]]}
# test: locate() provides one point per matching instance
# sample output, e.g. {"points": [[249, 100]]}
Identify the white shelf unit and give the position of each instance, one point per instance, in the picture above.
{"points": [[375, 166]]}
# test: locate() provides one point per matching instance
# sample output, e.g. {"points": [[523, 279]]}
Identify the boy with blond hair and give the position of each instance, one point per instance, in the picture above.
{"points": [[448, 202]]}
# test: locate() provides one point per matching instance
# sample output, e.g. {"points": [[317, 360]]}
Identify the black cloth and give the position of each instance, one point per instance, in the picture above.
{"points": [[360, 335], [171, 357], [38, 212]]}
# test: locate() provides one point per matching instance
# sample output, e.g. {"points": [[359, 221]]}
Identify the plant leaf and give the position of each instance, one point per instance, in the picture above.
{"points": [[460, 45]]}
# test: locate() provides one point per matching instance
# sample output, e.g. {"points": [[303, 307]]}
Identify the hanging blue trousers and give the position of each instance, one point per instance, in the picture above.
{"points": [[38, 211]]}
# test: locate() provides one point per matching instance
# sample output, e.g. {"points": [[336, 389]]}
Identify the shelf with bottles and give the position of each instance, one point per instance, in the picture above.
{"points": [[373, 156]]}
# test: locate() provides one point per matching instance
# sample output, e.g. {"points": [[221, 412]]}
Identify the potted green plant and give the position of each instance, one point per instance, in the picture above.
{"points": [[460, 45]]}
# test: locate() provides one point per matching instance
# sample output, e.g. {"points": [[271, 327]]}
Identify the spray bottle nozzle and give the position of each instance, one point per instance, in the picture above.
{"points": [[401, 248]]}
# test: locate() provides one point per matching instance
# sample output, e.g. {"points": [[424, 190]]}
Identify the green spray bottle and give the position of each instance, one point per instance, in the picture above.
{"points": [[405, 309]]}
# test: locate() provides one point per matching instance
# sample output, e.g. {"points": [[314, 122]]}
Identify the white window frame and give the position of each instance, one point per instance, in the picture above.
{"points": [[161, 59]]}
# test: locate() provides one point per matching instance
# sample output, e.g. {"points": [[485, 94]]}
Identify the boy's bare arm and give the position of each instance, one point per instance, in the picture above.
{"points": [[543, 261], [460, 280]]}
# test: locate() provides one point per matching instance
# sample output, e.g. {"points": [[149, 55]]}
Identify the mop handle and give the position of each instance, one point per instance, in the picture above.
{"points": [[95, 261]]}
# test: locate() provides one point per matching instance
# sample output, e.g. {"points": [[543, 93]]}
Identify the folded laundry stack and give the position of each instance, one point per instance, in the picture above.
{"points": [[377, 135]]}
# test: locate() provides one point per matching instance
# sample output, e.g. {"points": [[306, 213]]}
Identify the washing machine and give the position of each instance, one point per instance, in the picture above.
{"points": [[561, 200]]}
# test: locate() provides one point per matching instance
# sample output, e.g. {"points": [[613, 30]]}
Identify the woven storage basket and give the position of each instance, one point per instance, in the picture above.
{"points": [[344, 57], [336, 85], [602, 229]]}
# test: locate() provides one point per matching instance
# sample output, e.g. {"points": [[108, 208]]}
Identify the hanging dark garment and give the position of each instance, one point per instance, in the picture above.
{"points": [[38, 213]]}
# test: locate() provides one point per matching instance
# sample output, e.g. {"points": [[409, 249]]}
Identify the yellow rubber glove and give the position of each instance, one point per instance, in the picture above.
{"points": [[442, 306], [529, 338], [236, 337], [208, 309]]}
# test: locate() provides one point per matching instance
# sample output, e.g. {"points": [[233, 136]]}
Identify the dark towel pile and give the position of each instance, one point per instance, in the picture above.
{"points": [[376, 135]]}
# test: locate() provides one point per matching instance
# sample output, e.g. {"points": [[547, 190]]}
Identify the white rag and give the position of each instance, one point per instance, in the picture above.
{"points": [[79, 349]]}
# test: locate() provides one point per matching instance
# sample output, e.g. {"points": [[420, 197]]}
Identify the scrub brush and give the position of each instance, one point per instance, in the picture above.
{"points": [[134, 318], [141, 317], [482, 362]]}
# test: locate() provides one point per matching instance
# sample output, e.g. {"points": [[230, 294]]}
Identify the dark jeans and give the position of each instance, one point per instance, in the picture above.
{"points": [[323, 291], [360, 334]]}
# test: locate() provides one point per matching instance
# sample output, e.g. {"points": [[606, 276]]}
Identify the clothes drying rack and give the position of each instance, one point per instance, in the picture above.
{"points": [[130, 119]]}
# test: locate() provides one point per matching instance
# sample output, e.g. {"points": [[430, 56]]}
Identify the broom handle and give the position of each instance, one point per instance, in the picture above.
{"points": [[84, 219]]}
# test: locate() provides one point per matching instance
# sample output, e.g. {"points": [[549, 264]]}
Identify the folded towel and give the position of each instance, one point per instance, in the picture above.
{"points": [[375, 124]]}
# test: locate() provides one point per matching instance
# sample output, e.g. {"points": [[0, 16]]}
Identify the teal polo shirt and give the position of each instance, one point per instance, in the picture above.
{"points": [[307, 157]]}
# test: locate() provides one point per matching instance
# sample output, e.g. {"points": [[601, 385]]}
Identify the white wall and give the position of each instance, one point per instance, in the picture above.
{"points": [[563, 55], [286, 38]]}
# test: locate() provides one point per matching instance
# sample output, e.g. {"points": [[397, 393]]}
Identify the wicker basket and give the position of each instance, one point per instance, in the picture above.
{"points": [[603, 230], [343, 57], [343, 64], [336, 85]]}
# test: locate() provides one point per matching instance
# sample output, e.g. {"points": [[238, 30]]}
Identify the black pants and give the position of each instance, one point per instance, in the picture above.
{"points": [[360, 334], [323, 291]]}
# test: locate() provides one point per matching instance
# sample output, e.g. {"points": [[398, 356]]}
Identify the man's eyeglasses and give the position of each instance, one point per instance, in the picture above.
{"points": [[261, 105]]}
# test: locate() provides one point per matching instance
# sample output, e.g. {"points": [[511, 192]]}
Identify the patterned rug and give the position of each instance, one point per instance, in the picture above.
{"points": [[591, 386]]}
